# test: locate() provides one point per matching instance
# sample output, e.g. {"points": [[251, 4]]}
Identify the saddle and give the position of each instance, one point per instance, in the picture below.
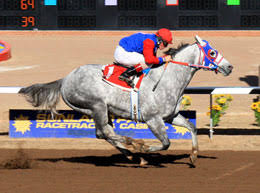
{"points": [[111, 72]]}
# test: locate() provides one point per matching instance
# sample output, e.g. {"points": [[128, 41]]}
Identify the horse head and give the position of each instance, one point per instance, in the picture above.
{"points": [[211, 59]]}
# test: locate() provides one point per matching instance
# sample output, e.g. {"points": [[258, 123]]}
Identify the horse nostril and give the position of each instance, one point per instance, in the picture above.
{"points": [[230, 67]]}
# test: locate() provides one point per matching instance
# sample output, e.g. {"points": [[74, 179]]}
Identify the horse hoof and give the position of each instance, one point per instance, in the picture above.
{"points": [[137, 145], [145, 149], [194, 156], [128, 140], [130, 157], [193, 159], [139, 141], [143, 162], [99, 135]]}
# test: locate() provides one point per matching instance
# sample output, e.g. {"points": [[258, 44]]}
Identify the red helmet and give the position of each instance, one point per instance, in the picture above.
{"points": [[165, 34]]}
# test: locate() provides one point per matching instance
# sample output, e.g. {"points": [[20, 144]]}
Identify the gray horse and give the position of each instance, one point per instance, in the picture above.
{"points": [[83, 90]]}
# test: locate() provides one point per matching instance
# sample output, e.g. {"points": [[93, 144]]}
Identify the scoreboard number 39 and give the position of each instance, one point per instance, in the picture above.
{"points": [[28, 21]]}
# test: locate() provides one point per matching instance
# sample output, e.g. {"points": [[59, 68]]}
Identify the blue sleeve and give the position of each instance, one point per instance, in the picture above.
{"points": [[160, 60]]}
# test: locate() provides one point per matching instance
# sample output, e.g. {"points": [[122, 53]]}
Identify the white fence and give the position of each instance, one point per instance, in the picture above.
{"points": [[220, 90], [188, 90]]}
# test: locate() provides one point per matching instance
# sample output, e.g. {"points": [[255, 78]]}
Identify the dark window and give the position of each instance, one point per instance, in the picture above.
{"points": [[137, 5], [250, 21], [76, 21], [12, 5], [1, 5], [198, 21], [2, 21], [250, 4], [12, 21], [198, 4], [76, 4], [137, 21]]}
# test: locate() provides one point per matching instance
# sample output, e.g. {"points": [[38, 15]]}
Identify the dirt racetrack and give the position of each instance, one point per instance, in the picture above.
{"points": [[226, 164], [96, 171]]}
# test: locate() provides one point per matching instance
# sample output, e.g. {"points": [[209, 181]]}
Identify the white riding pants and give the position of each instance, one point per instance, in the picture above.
{"points": [[128, 58]]}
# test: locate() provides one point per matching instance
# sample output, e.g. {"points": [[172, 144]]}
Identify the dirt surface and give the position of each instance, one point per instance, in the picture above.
{"points": [[91, 171], [79, 165]]}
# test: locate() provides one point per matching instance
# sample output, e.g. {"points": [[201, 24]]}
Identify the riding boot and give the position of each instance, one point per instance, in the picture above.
{"points": [[125, 76]]}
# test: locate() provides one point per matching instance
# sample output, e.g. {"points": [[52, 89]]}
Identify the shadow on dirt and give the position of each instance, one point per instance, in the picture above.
{"points": [[19, 161], [119, 160], [250, 80]]}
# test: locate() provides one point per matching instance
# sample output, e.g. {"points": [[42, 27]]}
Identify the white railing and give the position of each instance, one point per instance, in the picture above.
{"points": [[220, 90], [9, 90], [188, 90]]}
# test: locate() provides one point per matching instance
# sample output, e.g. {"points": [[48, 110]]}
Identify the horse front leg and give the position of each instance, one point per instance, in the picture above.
{"points": [[157, 126], [179, 120]]}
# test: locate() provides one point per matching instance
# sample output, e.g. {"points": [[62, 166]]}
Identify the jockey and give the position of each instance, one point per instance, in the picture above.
{"points": [[138, 52]]}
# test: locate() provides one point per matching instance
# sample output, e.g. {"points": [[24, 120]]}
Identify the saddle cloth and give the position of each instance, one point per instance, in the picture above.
{"points": [[111, 72]]}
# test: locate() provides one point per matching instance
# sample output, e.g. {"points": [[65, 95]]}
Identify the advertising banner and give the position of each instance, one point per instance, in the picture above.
{"points": [[71, 124]]}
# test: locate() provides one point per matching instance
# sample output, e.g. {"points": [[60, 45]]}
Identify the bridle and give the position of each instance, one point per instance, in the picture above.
{"points": [[208, 62]]}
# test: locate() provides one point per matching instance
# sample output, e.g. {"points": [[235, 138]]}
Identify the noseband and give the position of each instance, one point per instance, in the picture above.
{"points": [[206, 61]]}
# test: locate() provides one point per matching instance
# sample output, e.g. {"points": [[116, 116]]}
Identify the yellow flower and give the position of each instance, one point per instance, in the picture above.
{"points": [[186, 101], [208, 113], [258, 110], [222, 100], [216, 107], [188, 98], [216, 96], [254, 106]]}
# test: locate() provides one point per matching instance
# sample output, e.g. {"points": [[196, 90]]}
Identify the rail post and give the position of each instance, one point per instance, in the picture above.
{"points": [[211, 130]]}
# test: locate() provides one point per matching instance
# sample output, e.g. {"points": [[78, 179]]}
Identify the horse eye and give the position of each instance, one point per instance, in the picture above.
{"points": [[213, 53]]}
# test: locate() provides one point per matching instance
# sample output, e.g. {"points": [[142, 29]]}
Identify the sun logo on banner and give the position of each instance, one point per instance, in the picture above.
{"points": [[22, 124], [181, 130]]}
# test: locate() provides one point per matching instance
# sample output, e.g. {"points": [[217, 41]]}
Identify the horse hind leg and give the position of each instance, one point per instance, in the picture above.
{"points": [[105, 130]]}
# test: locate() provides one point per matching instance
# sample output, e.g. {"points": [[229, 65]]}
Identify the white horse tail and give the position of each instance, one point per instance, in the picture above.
{"points": [[44, 95]]}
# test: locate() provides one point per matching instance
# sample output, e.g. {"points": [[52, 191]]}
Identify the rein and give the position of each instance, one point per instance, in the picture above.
{"points": [[198, 66], [191, 65]]}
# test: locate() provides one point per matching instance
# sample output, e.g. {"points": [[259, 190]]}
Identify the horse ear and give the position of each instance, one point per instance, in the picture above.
{"points": [[199, 40]]}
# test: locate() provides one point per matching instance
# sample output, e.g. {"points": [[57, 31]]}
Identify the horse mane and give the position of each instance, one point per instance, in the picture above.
{"points": [[174, 51]]}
